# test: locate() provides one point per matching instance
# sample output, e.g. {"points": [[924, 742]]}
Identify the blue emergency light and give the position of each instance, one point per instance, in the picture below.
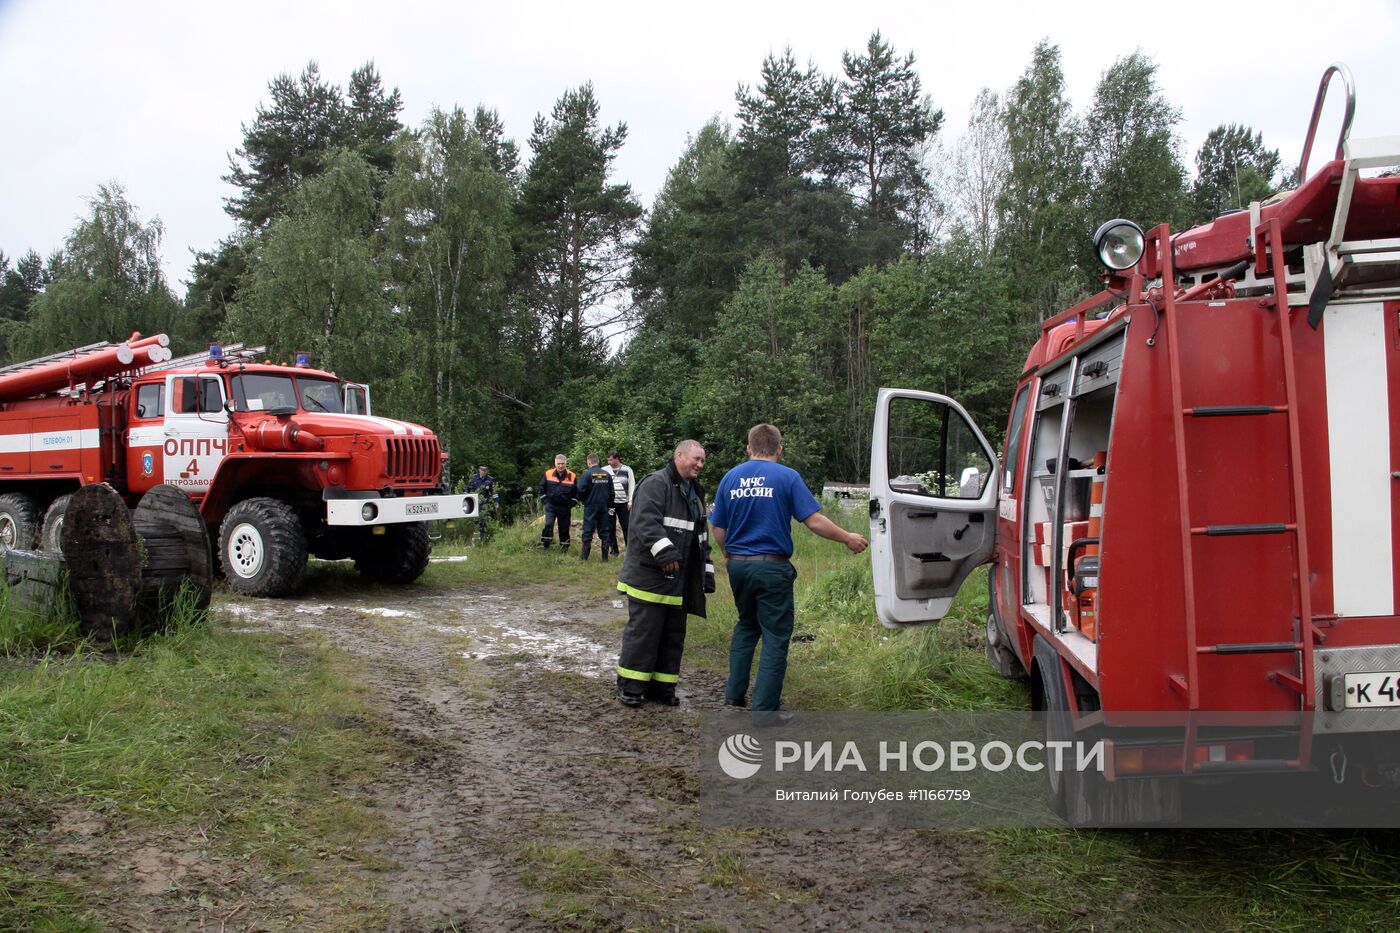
{"points": [[216, 352], [304, 359]]}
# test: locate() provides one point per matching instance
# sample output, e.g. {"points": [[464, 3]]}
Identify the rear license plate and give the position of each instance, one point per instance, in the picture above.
{"points": [[1375, 690]]}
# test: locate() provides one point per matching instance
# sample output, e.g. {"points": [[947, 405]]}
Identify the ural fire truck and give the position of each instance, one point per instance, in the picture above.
{"points": [[282, 461], [1195, 517]]}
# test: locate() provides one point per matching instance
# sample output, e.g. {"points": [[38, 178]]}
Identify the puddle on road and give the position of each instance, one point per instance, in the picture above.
{"points": [[533, 637]]}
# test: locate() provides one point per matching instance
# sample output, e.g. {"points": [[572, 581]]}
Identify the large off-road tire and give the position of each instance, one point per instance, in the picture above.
{"points": [[398, 556], [262, 548], [51, 535], [19, 521]]}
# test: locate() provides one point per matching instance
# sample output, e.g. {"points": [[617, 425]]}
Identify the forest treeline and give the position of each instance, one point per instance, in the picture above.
{"points": [[833, 235]]}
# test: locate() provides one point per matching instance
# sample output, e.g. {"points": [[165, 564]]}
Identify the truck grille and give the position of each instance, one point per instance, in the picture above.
{"points": [[413, 459]]}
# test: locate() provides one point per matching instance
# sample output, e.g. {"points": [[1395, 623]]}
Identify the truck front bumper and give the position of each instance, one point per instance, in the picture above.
{"points": [[377, 510]]}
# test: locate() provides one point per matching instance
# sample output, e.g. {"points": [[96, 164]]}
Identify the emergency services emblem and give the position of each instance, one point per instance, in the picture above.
{"points": [[148, 463]]}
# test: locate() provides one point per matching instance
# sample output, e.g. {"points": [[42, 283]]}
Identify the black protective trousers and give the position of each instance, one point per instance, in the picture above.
{"points": [[652, 643], [552, 514]]}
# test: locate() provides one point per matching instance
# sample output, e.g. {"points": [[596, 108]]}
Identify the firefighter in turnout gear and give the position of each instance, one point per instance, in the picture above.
{"points": [[558, 491], [595, 491], [665, 574]]}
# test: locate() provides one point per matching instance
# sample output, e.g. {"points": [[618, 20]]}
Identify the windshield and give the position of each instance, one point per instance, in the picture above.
{"points": [[319, 395], [263, 392]]}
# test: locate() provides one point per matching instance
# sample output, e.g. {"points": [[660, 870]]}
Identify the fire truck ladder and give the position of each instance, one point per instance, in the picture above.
{"points": [[1291, 530], [194, 359], [55, 357]]}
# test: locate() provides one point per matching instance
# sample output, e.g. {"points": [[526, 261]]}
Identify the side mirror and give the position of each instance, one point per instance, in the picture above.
{"points": [[970, 485]]}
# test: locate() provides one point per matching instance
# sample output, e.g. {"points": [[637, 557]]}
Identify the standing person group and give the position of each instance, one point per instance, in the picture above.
{"points": [[624, 481], [558, 490], [665, 574], [667, 571], [595, 491], [754, 506]]}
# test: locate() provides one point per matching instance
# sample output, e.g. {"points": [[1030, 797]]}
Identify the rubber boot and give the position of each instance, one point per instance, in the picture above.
{"points": [[545, 543], [583, 552], [604, 553]]}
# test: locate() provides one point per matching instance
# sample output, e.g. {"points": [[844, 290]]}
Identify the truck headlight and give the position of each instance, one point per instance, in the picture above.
{"points": [[369, 511], [1120, 244]]}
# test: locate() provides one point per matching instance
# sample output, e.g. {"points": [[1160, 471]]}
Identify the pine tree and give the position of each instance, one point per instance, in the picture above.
{"points": [[880, 120], [575, 228], [1233, 168], [783, 165]]}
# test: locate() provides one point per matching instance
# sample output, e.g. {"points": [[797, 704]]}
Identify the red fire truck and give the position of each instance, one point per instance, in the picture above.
{"points": [[1197, 517], [281, 460]]}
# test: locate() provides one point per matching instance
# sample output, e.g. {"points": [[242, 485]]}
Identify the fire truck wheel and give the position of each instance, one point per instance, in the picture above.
{"points": [[1087, 798], [398, 556], [262, 548], [999, 651], [51, 537], [19, 521]]}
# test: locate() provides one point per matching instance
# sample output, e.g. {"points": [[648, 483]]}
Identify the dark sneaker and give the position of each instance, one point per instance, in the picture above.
{"points": [[802, 636], [742, 702]]}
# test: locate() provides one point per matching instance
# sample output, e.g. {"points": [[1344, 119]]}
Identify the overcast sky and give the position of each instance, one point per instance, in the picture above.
{"points": [[153, 95]]}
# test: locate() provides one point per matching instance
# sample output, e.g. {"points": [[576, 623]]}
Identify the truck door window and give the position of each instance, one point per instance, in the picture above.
{"points": [[1012, 459], [211, 395], [186, 396], [149, 400], [933, 451]]}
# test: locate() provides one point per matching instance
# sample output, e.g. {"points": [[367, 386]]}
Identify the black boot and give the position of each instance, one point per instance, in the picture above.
{"points": [[583, 552], [604, 553], [545, 543]]}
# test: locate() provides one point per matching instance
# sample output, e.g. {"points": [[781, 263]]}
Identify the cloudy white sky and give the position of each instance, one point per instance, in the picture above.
{"points": [[153, 94]]}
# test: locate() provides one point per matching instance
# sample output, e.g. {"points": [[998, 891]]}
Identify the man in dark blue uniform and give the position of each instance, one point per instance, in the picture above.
{"points": [[558, 489], [595, 491], [751, 518]]}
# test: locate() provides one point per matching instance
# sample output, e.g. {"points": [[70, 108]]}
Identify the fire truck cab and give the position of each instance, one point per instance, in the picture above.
{"points": [[1195, 511]]}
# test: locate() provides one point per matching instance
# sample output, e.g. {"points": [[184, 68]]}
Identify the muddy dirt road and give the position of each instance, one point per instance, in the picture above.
{"points": [[526, 796]]}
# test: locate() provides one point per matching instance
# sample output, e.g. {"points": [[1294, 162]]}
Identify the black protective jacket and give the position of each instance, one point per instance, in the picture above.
{"points": [[667, 525], [559, 488]]}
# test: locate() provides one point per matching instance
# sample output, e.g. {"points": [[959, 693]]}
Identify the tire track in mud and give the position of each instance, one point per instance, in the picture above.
{"points": [[520, 774]]}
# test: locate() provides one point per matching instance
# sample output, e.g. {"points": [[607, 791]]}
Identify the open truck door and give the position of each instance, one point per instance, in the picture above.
{"points": [[933, 502], [356, 398]]}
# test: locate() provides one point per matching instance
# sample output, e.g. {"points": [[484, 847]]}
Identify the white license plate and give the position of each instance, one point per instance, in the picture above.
{"points": [[1375, 690]]}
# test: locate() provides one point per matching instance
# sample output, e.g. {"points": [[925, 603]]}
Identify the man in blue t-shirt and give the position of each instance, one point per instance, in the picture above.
{"points": [[754, 506]]}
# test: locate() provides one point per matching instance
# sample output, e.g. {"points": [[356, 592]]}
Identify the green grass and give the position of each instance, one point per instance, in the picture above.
{"points": [[513, 557], [247, 743]]}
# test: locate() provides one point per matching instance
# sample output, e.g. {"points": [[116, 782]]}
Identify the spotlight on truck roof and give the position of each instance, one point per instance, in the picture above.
{"points": [[1119, 244]]}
